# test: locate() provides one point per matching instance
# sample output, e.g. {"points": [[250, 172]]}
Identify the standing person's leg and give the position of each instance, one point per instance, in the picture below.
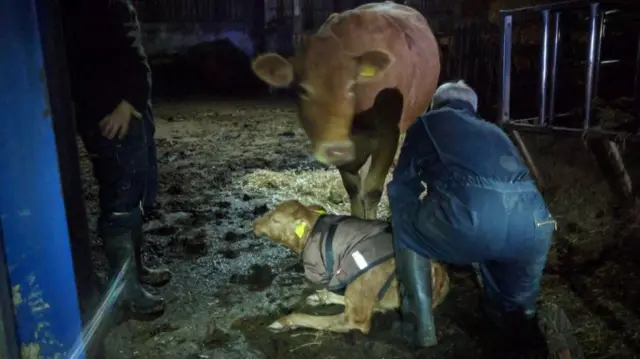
{"points": [[149, 204], [120, 168], [152, 276]]}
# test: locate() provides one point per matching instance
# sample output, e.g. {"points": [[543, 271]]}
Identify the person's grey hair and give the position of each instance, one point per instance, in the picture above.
{"points": [[458, 90]]}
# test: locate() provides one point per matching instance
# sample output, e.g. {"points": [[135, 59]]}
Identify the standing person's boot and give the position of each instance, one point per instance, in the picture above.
{"points": [[156, 277], [119, 250], [414, 276]]}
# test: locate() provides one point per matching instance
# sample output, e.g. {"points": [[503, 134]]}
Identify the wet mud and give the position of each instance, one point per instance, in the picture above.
{"points": [[229, 284]]}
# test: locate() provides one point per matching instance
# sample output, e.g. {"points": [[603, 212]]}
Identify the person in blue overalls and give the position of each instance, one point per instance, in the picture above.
{"points": [[461, 194], [110, 82]]}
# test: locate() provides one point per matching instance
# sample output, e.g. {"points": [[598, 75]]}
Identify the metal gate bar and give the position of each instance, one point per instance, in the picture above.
{"points": [[554, 66], [547, 96]]}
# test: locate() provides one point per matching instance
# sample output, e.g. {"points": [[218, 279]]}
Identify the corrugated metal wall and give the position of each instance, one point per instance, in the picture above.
{"points": [[176, 11], [470, 49]]}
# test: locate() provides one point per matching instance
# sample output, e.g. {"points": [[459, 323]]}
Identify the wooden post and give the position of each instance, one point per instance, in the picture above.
{"points": [[607, 154]]}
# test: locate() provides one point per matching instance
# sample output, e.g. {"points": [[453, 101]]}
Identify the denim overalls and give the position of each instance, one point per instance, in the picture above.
{"points": [[481, 205]]}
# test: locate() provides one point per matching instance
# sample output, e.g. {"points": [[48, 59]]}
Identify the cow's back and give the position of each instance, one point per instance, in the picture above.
{"points": [[403, 32]]}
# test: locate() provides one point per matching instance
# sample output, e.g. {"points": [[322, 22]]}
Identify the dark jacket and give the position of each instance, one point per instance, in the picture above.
{"points": [[106, 60], [451, 150], [340, 248], [453, 139]]}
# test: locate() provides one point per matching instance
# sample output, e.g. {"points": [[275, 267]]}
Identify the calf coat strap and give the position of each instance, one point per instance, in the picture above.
{"points": [[387, 284], [328, 247]]}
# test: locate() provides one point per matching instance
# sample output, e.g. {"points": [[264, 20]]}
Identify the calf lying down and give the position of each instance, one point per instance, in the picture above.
{"points": [[341, 252]]}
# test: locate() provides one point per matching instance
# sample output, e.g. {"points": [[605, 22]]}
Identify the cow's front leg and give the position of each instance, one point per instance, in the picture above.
{"points": [[381, 160], [351, 178], [352, 182]]}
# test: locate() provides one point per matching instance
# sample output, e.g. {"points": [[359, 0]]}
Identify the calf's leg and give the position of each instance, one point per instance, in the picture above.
{"points": [[324, 297], [357, 315], [333, 323], [360, 298]]}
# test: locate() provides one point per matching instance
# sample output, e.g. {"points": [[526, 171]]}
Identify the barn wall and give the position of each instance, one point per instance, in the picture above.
{"points": [[173, 26], [169, 38], [468, 33]]}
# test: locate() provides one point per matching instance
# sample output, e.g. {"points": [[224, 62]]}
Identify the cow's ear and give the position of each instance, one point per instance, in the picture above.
{"points": [[372, 65], [273, 69]]}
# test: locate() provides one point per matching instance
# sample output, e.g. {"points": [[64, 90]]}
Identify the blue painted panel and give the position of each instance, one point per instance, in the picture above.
{"points": [[31, 205]]}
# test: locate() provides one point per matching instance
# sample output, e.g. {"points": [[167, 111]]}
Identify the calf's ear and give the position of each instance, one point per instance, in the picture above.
{"points": [[273, 69], [372, 64]]}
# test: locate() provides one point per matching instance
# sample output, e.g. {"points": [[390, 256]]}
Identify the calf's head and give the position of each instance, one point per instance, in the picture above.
{"points": [[289, 223], [327, 77]]}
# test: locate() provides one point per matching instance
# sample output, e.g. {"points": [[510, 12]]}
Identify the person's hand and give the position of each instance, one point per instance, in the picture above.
{"points": [[117, 122]]}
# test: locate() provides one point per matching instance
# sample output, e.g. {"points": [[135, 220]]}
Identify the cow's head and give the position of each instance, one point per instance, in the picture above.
{"points": [[326, 77]]}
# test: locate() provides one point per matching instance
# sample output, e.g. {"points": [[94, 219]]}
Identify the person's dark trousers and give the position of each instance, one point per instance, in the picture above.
{"points": [[504, 227], [149, 203], [120, 168]]}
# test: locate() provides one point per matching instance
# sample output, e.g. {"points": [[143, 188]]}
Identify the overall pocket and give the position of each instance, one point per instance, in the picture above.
{"points": [[446, 209]]}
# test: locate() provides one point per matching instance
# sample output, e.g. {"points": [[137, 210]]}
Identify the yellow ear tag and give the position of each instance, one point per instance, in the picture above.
{"points": [[300, 229], [368, 71]]}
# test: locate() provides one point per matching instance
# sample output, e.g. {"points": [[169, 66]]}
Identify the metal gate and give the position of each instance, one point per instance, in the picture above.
{"points": [[603, 140]]}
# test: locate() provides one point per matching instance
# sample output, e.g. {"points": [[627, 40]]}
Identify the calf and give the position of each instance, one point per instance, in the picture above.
{"points": [[341, 253], [363, 78]]}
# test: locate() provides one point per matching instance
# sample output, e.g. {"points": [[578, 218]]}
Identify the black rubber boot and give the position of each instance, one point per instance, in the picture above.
{"points": [[522, 337], [120, 250], [414, 276], [155, 277]]}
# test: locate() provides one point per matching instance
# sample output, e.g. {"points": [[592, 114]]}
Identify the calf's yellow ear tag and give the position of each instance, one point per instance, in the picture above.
{"points": [[320, 211], [301, 228], [368, 70]]}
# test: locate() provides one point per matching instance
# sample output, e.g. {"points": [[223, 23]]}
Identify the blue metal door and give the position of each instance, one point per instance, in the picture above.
{"points": [[37, 272]]}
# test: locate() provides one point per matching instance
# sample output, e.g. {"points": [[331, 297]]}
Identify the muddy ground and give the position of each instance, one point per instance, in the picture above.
{"points": [[229, 285]]}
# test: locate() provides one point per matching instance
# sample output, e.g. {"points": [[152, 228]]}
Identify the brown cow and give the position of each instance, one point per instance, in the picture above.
{"points": [[363, 78]]}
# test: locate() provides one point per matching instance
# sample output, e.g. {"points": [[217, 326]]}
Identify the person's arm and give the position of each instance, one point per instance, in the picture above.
{"points": [[404, 203], [416, 135], [135, 83], [405, 188]]}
